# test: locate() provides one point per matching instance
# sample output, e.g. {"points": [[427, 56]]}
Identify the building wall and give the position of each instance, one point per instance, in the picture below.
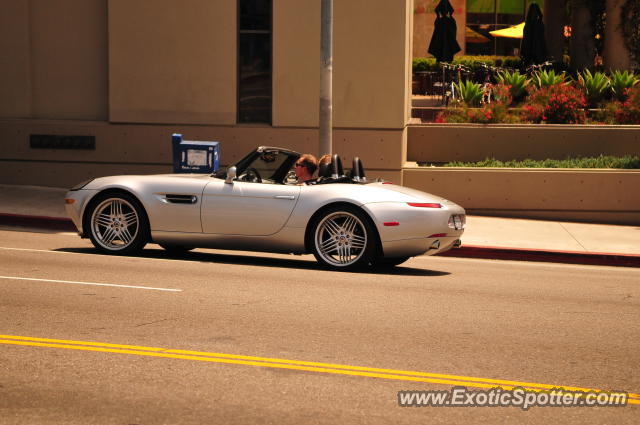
{"points": [[131, 72], [146, 149], [369, 60], [172, 61], [15, 65], [55, 59], [296, 63]]}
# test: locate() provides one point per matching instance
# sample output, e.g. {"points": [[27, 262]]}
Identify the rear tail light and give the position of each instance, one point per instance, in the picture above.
{"points": [[424, 205]]}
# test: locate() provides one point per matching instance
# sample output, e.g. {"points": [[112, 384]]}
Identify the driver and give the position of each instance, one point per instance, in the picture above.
{"points": [[305, 167]]}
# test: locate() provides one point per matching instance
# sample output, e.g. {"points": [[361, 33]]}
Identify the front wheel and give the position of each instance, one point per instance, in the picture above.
{"points": [[343, 238], [117, 224]]}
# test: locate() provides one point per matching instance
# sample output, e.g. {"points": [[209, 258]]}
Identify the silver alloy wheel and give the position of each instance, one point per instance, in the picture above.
{"points": [[115, 224], [341, 239]]}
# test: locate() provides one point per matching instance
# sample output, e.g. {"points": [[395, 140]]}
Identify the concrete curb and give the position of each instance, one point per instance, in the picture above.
{"points": [[542, 255], [36, 221], [466, 251]]}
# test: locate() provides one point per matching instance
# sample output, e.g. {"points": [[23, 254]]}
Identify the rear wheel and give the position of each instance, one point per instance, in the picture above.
{"points": [[343, 238], [117, 224]]}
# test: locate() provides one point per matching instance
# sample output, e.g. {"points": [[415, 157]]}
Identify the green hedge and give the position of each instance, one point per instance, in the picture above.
{"points": [[626, 162], [472, 62]]}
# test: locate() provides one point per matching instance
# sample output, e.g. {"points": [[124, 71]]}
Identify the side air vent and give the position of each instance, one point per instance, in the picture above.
{"points": [[47, 141], [181, 199]]}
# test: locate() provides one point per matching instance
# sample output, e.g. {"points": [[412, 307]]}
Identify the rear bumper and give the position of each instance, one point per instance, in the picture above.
{"points": [[407, 231]]}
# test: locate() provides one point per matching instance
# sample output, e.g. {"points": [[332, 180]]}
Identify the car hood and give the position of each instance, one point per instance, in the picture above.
{"points": [[101, 182]]}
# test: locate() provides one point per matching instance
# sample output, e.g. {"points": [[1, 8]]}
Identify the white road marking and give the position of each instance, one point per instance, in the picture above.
{"points": [[49, 251], [89, 283], [34, 250]]}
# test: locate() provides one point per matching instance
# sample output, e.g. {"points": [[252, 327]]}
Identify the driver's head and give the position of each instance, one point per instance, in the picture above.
{"points": [[305, 167]]}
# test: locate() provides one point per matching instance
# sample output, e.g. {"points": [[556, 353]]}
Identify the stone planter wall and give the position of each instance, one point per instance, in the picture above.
{"points": [[441, 143], [604, 196]]}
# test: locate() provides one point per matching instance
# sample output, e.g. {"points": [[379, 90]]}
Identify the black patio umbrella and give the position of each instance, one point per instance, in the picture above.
{"points": [[443, 41], [534, 46]]}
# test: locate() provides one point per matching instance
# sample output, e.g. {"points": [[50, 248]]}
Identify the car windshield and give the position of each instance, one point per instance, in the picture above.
{"points": [[268, 165], [263, 165]]}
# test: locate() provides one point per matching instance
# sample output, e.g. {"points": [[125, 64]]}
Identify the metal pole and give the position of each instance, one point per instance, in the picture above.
{"points": [[326, 76], [496, 4]]}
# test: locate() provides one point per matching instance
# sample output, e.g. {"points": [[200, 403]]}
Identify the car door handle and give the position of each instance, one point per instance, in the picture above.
{"points": [[288, 197]]}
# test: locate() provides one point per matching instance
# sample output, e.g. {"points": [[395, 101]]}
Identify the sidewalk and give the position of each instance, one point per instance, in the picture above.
{"points": [[484, 237]]}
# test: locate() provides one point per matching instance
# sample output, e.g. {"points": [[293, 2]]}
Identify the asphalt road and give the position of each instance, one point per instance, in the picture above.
{"points": [[280, 340]]}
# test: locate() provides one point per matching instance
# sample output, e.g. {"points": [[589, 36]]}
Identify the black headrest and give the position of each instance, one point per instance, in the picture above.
{"points": [[357, 171], [324, 170], [336, 166]]}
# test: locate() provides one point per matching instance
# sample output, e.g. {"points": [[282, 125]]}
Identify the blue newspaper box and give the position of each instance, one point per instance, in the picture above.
{"points": [[192, 156]]}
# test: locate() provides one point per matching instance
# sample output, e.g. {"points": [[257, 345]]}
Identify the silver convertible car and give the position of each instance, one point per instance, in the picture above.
{"points": [[257, 205]]}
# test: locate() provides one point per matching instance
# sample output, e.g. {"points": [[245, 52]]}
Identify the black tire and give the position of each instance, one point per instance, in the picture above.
{"points": [[382, 262], [176, 249], [116, 223], [343, 238]]}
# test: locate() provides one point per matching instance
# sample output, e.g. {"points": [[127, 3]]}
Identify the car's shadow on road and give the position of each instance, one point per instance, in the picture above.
{"points": [[261, 261]]}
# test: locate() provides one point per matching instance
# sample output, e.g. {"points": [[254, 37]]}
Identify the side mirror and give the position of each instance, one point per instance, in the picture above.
{"points": [[231, 174]]}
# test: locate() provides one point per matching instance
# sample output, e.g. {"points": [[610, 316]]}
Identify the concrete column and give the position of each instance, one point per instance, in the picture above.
{"points": [[616, 55], [582, 50], [554, 21]]}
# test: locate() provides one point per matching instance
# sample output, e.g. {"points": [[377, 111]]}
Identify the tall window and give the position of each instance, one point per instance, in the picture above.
{"points": [[254, 61]]}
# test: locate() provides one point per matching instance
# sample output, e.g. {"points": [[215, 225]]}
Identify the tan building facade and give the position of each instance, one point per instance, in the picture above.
{"points": [[132, 72]]}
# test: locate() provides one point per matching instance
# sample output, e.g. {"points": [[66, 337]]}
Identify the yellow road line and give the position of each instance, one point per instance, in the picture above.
{"points": [[286, 364]]}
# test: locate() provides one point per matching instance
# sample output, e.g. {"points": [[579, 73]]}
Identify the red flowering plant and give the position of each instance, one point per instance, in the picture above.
{"points": [[452, 115], [533, 113], [480, 116], [555, 104], [502, 94], [497, 111], [629, 111]]}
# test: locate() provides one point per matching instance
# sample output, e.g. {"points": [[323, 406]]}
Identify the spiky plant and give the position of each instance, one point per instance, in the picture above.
{"points": [[595, 86], [469, 92], [620, 82], [548, 78], [518, 83]]}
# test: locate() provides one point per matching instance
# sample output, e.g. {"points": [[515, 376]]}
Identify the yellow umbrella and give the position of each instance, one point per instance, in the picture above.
{"points": [[511, 32], [474, 37]]}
